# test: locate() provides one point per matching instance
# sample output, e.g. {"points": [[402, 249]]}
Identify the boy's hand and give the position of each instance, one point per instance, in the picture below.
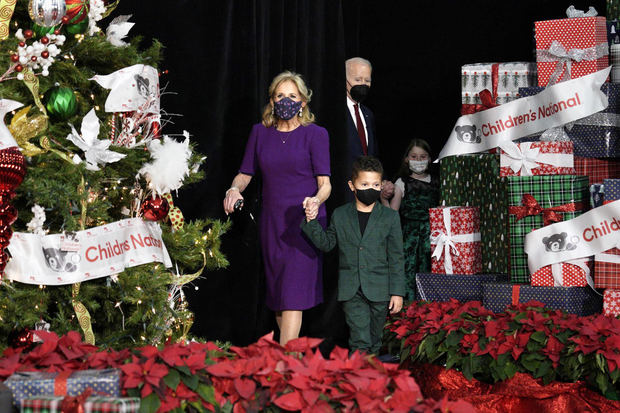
{"points": [[311, 207], [396, 304]]}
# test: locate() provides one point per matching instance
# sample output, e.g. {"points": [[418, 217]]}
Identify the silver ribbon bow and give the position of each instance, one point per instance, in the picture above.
{"points": [[572, 12], [563, 58]]}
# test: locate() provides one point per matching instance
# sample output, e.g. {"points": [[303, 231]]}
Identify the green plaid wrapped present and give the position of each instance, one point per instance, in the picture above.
{"points": [[51, 404], [473, 180], [536, 201]]}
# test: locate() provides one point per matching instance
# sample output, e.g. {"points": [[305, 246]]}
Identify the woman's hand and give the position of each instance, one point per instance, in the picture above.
{"points": [[232, 196], [311, 207]]}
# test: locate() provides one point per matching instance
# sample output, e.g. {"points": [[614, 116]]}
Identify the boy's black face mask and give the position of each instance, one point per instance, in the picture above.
{"points": [[367, 196]]}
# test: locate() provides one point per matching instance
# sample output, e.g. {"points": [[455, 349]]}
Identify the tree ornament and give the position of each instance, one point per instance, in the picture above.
{"points": [[41, 31], [31, 56], [24, 127], [77, 28], [14, 58], [77, 11], [47, 13], [60, 102], [28, 33], [45, 40], [154, 209], [19, 68]]}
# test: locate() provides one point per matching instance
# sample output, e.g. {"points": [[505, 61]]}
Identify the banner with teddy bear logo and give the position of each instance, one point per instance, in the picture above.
{"points": [[557, 105], [70, 258], [589, 234]]}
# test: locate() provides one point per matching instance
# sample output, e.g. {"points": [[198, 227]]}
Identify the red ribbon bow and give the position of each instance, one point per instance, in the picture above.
{"points": [[531, 207], [75, 404], [488, 98]]}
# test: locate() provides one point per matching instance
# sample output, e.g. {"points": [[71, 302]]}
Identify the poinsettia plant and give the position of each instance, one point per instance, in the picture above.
{"points": [[201, 377], [528, 338]]}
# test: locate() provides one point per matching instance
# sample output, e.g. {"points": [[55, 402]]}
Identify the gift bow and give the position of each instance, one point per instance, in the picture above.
{"points": [[75, 404], [563, 58], [523, 158], [531, 207], [558, 276], [572, 12], [445, 241], [174, 214], [487, 97]]}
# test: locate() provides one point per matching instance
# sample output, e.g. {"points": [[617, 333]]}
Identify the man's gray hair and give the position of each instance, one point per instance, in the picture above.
{"points": [[356, 60]]}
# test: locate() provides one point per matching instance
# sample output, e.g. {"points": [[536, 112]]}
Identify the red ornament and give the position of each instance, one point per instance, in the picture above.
{"points": [[28, 33], [33, 58], [57, 32], [19, 68], [45, 54], [22, 44], [45, 40], [14, 58], [155, 130], [154, 209], [77, 10], [65, 19], [12, 172]]}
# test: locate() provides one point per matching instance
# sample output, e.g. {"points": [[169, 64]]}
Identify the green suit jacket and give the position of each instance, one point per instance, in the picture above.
{"points": [[373, 262]]}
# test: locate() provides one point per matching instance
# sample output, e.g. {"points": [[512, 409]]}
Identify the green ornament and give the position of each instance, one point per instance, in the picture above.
{"points": [[60, 102], [78, 28], [40, 31]]}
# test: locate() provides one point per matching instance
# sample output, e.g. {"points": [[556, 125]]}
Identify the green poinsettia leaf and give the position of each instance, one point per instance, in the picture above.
{"points": [[172, 379], [150, 403]]}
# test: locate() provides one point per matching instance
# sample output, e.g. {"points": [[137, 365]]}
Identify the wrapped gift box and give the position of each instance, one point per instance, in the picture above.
{"points": [[35, 383], [582, 301], [596, 169], [550, 158], [547, 192], [462, 287], [51, 404], [607, 269], [611, 302], [595, 136], [474, 180], [574, 33], [463, 232], [611, 188], [502, 79], [566, 274]]}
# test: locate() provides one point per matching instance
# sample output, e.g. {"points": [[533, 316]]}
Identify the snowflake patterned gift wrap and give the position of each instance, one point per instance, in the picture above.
{"points": [[462, 287], [51, 404], [455, 240], [607, 269], [537, 201], [582, 301], [574, 273], [536, 158], [474, 180], [575, 47], [595, 136], [611, 189], [611, 302], [34, 383], [597, 170], [502, 79]]}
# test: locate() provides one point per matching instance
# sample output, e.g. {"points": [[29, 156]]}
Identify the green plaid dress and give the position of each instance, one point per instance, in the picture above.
{"points": [[549, 191]]}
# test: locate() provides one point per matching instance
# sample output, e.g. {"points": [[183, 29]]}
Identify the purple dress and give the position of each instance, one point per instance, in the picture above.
{"points": [[289, 163]]}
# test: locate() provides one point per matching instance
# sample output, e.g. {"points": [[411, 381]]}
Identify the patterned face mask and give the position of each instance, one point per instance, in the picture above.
{"points": [[418, 166], [286, 108]]}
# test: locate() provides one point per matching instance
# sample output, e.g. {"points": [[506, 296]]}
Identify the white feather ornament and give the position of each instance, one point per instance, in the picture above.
{"points": [[169, 165]]}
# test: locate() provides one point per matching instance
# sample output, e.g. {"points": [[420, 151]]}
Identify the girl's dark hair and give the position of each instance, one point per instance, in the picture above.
{"points": [[403, 170]]}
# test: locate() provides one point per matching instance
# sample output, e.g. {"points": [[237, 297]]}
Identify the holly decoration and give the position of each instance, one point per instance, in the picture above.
{"points": [[77, 11], [78, 28], [60, 102], [154, 209]]}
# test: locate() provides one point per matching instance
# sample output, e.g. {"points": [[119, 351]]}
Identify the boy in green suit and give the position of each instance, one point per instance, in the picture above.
{"points": [[371, 276]]}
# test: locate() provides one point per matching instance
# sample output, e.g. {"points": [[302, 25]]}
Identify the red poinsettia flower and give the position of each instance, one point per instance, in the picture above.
{"points": [[173, 398], [149, 373], [72, 347]]}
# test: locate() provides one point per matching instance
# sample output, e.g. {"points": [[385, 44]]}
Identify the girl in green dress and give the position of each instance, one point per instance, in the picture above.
{"points": [[416, 190]]}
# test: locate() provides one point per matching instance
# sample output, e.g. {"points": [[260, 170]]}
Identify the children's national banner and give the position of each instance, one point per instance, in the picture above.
{"points": [[85, 255], [589, 234], [555, 106]]}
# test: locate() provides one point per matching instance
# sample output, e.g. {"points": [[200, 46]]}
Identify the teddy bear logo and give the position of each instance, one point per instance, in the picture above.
{"points": [[61, 261], [467, 134], [558, 243]]}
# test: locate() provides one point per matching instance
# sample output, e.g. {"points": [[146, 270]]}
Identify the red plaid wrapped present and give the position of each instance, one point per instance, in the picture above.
{"points": [[611, 302], [597, 169], [558, 42], [93, 404], [536, 158], [575, 273], [607, 269], [455, 240]]}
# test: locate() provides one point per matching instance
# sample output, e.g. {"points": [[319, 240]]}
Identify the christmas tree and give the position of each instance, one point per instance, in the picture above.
{"points": [[88, 123]]}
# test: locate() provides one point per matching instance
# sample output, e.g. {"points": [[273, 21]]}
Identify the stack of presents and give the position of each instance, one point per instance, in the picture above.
{"points": [[489, 205], [88, 391]]}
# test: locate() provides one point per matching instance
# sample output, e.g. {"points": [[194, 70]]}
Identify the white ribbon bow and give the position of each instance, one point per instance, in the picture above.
{"points": [[445, 241], [523, 158], [572, 12], [558, 277]]}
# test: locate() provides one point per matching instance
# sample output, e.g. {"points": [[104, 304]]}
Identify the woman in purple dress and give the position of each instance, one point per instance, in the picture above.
{"points": [[292, 154]]}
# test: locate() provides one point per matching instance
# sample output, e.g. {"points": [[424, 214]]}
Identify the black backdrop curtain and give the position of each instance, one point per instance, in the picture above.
{"points": [[222, 55]]}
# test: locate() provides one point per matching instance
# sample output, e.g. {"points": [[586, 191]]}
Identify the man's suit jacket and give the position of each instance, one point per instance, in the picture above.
{"points": [[354, 147], [374, 261]]}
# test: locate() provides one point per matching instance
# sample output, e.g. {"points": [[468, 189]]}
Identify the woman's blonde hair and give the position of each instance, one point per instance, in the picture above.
{"points": [[307, 117]]}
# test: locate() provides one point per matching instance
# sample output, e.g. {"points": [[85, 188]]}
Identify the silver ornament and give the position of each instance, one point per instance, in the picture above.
{"points": [[47, 13]]}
